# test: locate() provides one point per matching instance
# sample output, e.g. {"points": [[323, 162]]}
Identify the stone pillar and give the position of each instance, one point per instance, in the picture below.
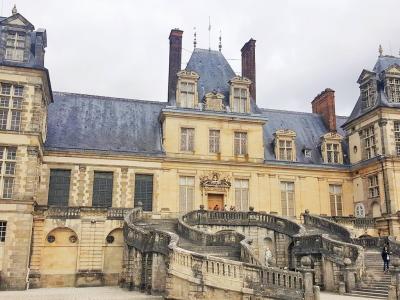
{"points": [[308, 279], [159, 274], [349, 275], [394, 288]]}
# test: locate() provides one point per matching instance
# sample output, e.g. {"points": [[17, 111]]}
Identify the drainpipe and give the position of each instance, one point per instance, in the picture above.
{"points": [[381, 159]]}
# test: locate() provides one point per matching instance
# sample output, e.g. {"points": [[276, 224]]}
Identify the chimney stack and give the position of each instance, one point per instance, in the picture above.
{"points": [[324, 104], [249, 65], [175, 60]]}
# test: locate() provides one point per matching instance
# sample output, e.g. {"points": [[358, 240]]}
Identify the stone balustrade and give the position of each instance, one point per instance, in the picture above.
{"points": [[394, 245], [250, 218], [329, 226], [353, 221], [63, 213]]}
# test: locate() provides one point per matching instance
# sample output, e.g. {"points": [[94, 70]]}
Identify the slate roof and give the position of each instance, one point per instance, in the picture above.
{"points": [[83, 122], [214, 71], [309, 128], [383, 63]]}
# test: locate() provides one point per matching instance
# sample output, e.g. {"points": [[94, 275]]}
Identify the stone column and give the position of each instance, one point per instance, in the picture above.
{"points": [[308, 280]]}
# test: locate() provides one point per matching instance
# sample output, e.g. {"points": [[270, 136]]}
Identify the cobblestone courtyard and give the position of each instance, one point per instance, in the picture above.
{"points": [[106, 293]]}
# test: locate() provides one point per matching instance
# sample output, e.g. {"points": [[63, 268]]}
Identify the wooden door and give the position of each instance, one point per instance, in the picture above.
{"points": [[215, 199]]}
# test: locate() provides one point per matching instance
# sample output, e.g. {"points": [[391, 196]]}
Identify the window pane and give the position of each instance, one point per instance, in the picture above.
{"points": [[3, 119], [15, 120], [59, 187], [8, 187], [102, 189], [3, 229], [144, 191]]}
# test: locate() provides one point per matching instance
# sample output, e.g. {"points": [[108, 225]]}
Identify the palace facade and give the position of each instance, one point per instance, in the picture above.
{"points": [[72, 165]]}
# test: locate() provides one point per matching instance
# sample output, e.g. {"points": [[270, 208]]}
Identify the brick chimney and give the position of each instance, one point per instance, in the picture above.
{"points": [[324, 104], [175, 60], [249, 65]]}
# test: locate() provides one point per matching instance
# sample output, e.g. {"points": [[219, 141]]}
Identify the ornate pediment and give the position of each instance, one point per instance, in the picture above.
{"points": [[214, 101], [332, 136], [285, 132], [215, 180], [364, 76]]}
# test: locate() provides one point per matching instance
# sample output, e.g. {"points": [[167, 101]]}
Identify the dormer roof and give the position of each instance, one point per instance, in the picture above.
{"points": [[17, 20]]}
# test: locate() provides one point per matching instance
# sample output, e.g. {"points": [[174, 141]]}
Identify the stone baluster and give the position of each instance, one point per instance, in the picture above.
{"points": [[308, 277], [349, 275]]}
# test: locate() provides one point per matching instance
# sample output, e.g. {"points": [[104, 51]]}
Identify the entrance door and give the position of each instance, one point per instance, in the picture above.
{"points": [[215, 199]]}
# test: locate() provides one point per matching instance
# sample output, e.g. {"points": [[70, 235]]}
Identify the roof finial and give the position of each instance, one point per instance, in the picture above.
{"points": [[220, 41], [380, 50], [14, 10], [195, 38], [209, 33]]}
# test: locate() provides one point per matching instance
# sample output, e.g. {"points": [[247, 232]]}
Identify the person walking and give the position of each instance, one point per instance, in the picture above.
{"points": [[385, 258]]}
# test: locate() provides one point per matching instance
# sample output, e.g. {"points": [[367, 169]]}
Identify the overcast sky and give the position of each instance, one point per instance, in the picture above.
{"points": [[120, 47]]}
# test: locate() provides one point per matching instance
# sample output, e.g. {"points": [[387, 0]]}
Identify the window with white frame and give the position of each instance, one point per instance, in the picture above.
{"points": [[240, 143], [242, 194], [187, 94], [186, 193], [15, 46], [8, 156], [10, 106], [287, 198], [369, 142], [332, 153], [335, 195], [393, 89], [359, 210], [240, 100], [373, 186], [397, 136], [214, 136], [368, 92], [285, 149], [3, 229], [187, 139]]}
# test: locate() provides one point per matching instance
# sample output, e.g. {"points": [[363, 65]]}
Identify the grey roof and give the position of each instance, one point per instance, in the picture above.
{"points": [[383, 63], [83, 122], [309, 129], [214, 71]]}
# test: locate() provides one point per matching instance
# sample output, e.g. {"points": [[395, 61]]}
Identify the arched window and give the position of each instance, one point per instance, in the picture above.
{"points": [[360, 210]]}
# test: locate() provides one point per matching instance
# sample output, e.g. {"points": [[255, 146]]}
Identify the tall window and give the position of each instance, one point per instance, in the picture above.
{"points": [[187, 93], [102, 189], [373, 186], [332, 153], [335, 195], [240, 143], [287, 198], [214, 141], [3, 229], [144, 191], [15, 46], [369, 142], [187, 139], [393, 88], [242, 194], [10, 106], [186, 193], [368, 95], [8, 156], [240, 100], [397, 137], [59, 187], [285, 150]]}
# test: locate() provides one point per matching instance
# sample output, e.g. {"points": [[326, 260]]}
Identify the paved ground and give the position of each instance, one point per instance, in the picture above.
{"points": [[90, 293], [107, 293]]}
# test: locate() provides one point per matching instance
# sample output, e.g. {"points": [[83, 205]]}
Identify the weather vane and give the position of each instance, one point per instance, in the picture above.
{"points": [[220, 41], [195, 38], [209, 33]]}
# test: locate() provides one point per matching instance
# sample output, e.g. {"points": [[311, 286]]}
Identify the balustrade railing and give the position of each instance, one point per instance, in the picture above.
{"points": [[394, 245], [251, 218], [353, 221], [63, 212]]}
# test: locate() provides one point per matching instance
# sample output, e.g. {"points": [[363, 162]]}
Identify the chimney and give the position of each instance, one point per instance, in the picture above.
{"points": [[175, 60], [249, 65], [324, 104]]}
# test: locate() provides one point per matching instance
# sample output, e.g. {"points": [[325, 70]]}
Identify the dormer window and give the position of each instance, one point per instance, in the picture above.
{"points": [[331, 148], [239, 95], [240, 100], [285, 146], [393, 89], [368, 93], [186, 92], [15, 46]]}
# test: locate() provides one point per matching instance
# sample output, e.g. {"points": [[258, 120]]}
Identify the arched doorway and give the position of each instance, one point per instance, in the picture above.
{"points": [[113, 254], [59, 258]]}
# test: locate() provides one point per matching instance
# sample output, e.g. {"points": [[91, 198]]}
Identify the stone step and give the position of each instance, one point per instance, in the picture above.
{"points": [[375, 295]]}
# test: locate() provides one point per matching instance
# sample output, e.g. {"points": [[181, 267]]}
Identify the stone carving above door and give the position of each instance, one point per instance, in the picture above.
{"points": [[215, 182]]}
